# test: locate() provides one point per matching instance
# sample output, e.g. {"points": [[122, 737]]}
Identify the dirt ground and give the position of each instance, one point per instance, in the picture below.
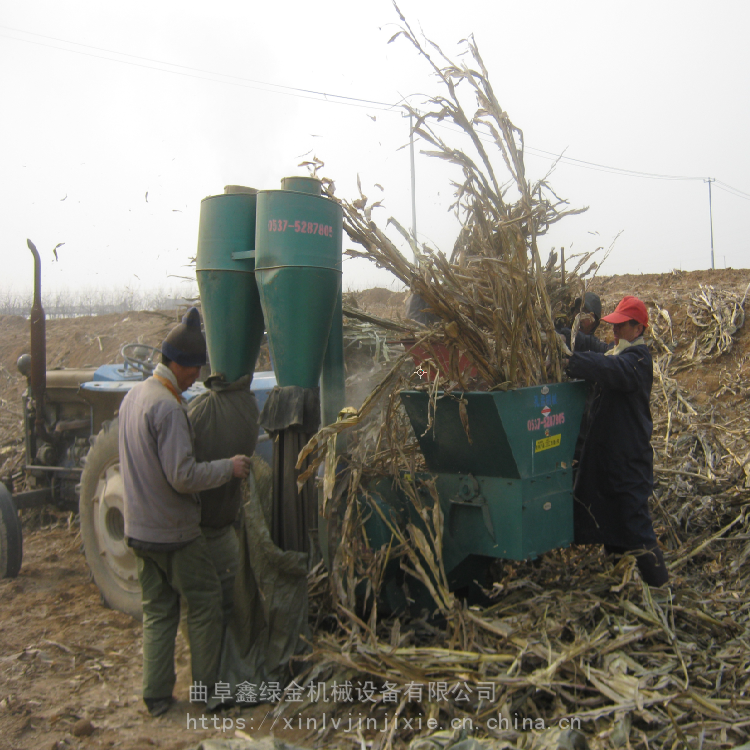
{"points": [[70, 668]]}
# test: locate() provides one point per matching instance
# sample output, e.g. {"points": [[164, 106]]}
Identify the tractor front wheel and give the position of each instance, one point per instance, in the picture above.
{"points": [[11, 538], [112, 562]]}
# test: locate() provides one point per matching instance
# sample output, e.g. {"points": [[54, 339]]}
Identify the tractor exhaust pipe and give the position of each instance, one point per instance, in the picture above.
{"points": [[38, 348]]}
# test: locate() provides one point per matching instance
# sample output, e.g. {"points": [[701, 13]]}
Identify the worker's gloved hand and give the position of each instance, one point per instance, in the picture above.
{"points": [[241, 466], [572, 365], [564, 343], [564, 335]]}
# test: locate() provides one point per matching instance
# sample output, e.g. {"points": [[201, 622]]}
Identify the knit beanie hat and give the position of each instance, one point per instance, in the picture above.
{"points": [[185, 344]]}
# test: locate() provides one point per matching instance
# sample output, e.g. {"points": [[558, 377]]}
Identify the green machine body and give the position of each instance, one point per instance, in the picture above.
{"points": [[503, 474]]}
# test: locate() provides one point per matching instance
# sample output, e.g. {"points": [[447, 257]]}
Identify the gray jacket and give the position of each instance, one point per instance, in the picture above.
{"points": [[158, 466]]}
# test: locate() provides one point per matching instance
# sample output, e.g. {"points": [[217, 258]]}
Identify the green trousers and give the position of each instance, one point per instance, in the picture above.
{"points": [[224, 550], [165, 577]]}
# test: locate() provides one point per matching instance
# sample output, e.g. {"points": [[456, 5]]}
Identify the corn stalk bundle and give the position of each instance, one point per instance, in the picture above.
{"points": [[495, 299]]}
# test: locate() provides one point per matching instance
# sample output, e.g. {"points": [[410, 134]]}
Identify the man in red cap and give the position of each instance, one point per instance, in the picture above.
{"points": [[615, 474]]}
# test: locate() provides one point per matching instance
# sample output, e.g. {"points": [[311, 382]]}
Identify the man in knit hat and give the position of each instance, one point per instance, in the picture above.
{"points": [[162, 516], [615, 476], [590, 308]]}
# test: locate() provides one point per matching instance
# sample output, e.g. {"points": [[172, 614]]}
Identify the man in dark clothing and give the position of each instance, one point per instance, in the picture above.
{"points": [[585, 341], [615, 476], [162, 516], [419, 311], [590, 318]]}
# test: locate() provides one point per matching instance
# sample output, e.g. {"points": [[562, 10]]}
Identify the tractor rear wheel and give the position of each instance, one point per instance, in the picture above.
{"points": [[11, 538], [112, 562]]}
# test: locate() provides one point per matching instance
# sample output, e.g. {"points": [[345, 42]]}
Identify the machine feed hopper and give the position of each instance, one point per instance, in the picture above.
{"points": [[501, 464]]}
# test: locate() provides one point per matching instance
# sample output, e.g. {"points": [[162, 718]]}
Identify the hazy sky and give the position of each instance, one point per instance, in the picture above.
{"points": [[104, 102]]}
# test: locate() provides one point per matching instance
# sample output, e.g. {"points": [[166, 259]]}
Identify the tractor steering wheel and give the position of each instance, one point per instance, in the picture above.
{"points": [[140, 357]]}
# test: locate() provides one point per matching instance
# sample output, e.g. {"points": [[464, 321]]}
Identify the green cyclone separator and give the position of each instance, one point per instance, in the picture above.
{"points": [[225, 269], [298, 270]]}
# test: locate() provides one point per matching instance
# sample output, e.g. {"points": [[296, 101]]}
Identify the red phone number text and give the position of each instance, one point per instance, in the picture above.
{"points": [[302, 227], [551, 420]]}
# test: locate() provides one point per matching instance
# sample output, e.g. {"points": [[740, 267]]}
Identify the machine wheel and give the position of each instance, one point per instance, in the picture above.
{"points": [[112, 562], [11, 538]]}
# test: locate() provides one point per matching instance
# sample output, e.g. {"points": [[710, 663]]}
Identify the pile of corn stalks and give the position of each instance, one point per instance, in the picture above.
{"points": [[574, 639], [717, 315]]}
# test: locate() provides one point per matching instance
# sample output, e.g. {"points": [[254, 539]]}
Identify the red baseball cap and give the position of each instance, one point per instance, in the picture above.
{"points": [[629, 308]]}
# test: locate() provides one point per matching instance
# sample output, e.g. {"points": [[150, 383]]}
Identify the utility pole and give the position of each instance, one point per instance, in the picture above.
{"points": [[709, 180]]}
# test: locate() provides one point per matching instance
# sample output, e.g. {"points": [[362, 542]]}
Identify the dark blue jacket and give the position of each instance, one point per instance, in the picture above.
{"points": [[585, 342], [615, 475]]}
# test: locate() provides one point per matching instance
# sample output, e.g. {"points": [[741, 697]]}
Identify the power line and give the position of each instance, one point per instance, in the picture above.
{"points": [[736, 195], [331, 98], [732, 191], [552, 156], [238, 80], [613, 170]]}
